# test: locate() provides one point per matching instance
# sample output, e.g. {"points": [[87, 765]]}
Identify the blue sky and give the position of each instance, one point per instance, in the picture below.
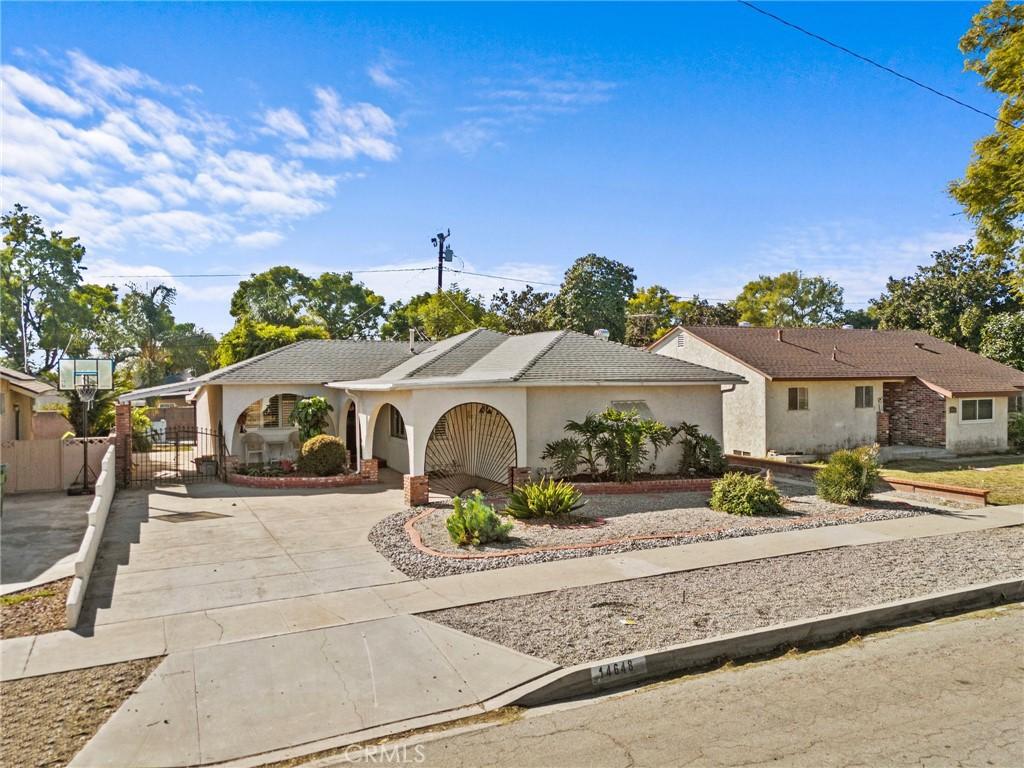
{"points": [[701, 143]]}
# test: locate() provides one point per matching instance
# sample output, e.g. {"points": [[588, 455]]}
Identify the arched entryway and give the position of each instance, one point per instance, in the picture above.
{"points": [[471, 446], [351, 433], [389, 441]]}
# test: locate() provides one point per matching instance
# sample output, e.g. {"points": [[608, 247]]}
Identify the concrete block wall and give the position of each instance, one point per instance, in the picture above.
{"points": [[106, 486]]}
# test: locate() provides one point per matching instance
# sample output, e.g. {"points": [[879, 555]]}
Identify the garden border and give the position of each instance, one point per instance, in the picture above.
{"points": [[282, 482]]}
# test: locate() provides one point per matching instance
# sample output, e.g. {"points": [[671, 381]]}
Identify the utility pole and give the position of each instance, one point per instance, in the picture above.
{"points": [[444, 253]]}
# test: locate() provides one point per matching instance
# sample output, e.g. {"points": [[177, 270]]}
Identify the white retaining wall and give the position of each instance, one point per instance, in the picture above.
{"points": [[106, 485]]}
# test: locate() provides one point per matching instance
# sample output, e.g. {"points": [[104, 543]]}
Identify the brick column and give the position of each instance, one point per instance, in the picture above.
{"points": [[369, 470], [123, 442], [416, 490], [519, 476], [882, 428]]}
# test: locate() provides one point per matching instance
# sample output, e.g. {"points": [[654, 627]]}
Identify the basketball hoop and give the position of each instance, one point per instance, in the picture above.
{"points": [[86, 387]]}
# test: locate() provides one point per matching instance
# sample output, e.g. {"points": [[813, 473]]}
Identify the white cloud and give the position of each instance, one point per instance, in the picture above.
{"points": [[41, 93], [343, 132], [506, 106], [123, 160], [261, 239], [285, 122]]}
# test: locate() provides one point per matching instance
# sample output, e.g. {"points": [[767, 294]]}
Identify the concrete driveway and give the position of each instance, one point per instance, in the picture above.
{"points": [[186, 550], [39, 536]]}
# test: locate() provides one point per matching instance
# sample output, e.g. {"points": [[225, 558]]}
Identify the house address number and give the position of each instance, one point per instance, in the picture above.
{"points": [[608, 674]]}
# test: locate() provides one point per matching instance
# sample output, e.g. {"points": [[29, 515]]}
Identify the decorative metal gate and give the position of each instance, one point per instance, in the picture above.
{"points": [[471, 446], [177, 455]]}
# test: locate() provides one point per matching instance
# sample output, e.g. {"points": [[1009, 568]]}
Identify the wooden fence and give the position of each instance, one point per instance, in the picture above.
{"points": [[49, 465]]}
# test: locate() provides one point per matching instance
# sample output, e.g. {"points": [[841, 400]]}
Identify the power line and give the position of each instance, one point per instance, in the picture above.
{"points": [[502, 277], [874, 63], [249, 274]]}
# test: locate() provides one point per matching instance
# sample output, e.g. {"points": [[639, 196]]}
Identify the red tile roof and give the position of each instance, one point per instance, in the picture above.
{"points": [[835, 353]]}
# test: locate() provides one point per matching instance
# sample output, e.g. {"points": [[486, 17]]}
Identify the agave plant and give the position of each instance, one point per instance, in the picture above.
{"points": [[546, 498]]}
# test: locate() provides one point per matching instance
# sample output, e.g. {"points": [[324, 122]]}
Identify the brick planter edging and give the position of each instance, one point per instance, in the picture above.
{"points": [[332, 481], [977, 496], [697, 484]]}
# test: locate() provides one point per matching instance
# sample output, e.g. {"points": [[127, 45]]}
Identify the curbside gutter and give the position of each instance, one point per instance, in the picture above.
{"points": [[106, 486], [623, 671]]}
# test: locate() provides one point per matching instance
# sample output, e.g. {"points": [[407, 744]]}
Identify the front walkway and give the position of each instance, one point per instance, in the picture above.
{"points": [[282, 626]]}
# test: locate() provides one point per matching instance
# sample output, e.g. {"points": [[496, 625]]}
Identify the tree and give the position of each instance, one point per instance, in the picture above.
{"points": [[790, 299], [698, 311], [248, 338], [42, 308], [1002, 339], [952, 298], [522, 311], [438, 315], [347, 309], [593, 295], [649, 315], [859, 318], [992, 190], [276, 297], [190, 349]]}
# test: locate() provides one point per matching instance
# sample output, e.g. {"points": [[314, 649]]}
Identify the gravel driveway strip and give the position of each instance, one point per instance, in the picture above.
{"points": [[679, 518], [574, 626]]}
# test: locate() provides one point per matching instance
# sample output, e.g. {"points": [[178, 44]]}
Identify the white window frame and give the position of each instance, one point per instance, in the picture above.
{"points": [[806, 399], [869, 402], [960, 410]]}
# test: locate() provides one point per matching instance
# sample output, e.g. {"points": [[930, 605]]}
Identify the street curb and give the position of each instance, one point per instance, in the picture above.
{"points": [[623, 671]]}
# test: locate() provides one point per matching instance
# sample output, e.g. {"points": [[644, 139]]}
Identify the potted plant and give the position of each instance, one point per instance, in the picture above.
{"points": [[206, 465]]}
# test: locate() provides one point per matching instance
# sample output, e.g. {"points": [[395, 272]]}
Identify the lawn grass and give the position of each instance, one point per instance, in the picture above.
{"points": [[24, 597], [1003, 476]]}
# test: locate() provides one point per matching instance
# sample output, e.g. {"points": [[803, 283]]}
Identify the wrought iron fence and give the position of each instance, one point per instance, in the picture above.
{"points": [[177, 455]]}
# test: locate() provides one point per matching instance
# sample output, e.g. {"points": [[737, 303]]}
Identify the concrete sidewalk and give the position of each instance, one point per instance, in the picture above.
{"points": [[39, 538], [190, 629], [230, 701]]}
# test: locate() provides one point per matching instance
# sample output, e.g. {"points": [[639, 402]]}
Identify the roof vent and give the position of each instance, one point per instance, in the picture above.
{"points": [[847, 327], [602, 333], [919, 344], [743, 324], [778, 334], [412, 341]]}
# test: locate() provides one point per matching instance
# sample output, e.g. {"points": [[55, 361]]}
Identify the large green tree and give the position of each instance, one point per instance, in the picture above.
{"points": [[45, 308], [593, 295], [347, 309], [650, 314], [523, 311], [248, 338], [1002, 339], [790, 299], [438, 315], [992, 190], [952, 298], [276, 296]]}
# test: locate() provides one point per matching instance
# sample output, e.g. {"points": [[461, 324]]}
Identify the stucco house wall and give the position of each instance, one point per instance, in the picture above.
{"points": [[977, 436], [548, 409], [743, 407], [15, 403], [830, 422]]}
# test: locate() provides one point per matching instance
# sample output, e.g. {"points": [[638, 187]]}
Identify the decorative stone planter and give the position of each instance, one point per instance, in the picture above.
{"points": [[332, 481]]}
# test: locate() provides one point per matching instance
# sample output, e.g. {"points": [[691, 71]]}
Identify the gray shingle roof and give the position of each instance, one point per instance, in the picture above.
{"points": [[555, 357], [314, 361], [25, 381]]}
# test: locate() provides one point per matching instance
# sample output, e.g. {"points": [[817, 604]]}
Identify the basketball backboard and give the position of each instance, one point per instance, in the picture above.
{"points": [[74, 370]]}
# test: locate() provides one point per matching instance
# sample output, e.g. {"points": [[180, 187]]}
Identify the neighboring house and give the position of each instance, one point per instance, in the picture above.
{"points": [[18, 392], [814, 390], [462, 411]]}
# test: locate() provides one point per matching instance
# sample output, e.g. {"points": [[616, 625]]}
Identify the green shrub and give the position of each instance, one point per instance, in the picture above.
{"points": [[700, 453], [142, 431], [310, 416], [741, 494], [474, 522], [546, 498], [1016, 431], [626, 442], [849, 476], [565, 455], [322, 455]]}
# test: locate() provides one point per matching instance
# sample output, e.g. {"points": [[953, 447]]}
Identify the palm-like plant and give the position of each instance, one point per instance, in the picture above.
{"points": [[590, 432], [565, 455]]}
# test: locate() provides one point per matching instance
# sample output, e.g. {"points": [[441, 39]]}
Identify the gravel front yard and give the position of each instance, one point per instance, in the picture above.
{"points": [[47, 719], [34, 611], [627, 522], [580, 625]]}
